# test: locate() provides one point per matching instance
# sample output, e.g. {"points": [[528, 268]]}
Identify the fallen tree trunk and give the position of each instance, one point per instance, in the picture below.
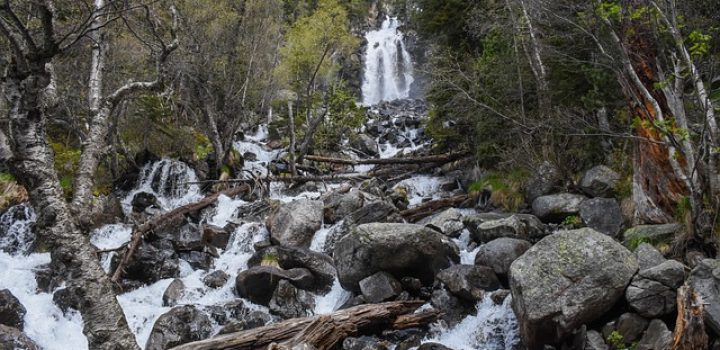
{"points": [[439, 158], [324, 331], [337, 177], [428, 208], [690, 325], [158, 221]]}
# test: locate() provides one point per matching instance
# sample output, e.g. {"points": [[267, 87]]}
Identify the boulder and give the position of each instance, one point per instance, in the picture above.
{"points": [[198, 260], [12, 312], [215, 236], [452, 309], [399, 249], [499, 253], [469, 282], [705, 279], [320, 265], [449, 222], [180, 325], [153, 262], [595, 341], [173, 293], [379, 287], [556, 207], [258, 283], [648, 256], [656, 337], [603, 215], [545, 180], [365, 144], [13, 338], [216, 279], [600, 181], [566, 280], [521, 226], [338, 205], [376, 211], [294, 224], [252, 319], [631, 326], [287, 301], [142, 200], [652, 234], [652, 292]]}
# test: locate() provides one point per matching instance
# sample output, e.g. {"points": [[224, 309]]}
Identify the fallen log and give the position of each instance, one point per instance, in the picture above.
{"points": [[689, 331], [321, 178], [431, 207], [324, 331], [438, 158], [158, 222]]}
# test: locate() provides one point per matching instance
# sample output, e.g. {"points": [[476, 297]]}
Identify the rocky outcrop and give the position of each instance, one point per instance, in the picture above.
{"points": [[13, 338], [652, 292], [521, 226], [498, 254], [600, 181], [705, 279], [12, 311], [294, 224], [180, 325], [469, 282], [603, 215], [556, 207], [399, 249], [566, 280], [257, 284]]}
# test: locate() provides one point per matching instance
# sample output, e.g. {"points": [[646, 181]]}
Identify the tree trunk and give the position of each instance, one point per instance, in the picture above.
{"points": [[690, 326], [291, 122], [72, 256]]}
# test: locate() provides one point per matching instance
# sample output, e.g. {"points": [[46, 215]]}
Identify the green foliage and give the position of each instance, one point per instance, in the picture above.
{"points": [[572, 221], [506, 188], [616, 342], [203, 147], [6, 177], [609, 10], [699, 43], [633, 242], [343, 118]]}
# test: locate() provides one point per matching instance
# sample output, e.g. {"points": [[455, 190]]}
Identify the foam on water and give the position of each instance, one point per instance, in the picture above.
{"points": [[388, 66], [111, 236], [421, 187], [171, 181], [16, 228]]}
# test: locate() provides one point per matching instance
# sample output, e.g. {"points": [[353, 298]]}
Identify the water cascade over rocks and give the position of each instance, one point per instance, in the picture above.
{"points": [[388, 65]]}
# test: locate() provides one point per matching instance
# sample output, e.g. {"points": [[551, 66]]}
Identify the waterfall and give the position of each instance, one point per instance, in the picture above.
{"points": [[171, 181], [388, 66]]}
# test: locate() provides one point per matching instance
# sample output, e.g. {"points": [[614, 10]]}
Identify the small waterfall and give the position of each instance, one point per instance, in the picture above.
{"points": [[16, 228], [171, 181], [388, 66]]}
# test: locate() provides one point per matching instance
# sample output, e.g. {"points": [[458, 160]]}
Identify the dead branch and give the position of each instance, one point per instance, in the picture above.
{"points": [[439, 158]]}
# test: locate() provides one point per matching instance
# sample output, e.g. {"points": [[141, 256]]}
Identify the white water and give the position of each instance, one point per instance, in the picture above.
{"points": [[16, 228], [388, 65], [171, 181]]}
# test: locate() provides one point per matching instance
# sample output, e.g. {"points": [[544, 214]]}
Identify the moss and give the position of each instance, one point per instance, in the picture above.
{"points": [[506, 188], [634, 241], [269, 259]]}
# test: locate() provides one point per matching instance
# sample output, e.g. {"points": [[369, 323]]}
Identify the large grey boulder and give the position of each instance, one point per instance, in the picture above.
{"points": [[498, 254], [365, 144], [258, 283], [469, 282], [449, 222], [652, 292], [12, 311], [656, 337], [521, 226], [600, 181], [319, 264], [566, 280], [153, 262], [399, 249], [602, 215], [556, 207], [294, 224], [13, 339], [705, 279], [338, 204], [180, 325]]}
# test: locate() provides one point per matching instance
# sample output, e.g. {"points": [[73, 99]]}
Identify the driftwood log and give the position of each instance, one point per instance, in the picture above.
{"points": [[159, 221], [439, 158], [690, 324], [324, 331], [431, 207]]}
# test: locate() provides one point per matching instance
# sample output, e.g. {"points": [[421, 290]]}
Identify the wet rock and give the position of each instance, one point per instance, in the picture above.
{"points": [[433, 346], [12, 311], [631, 326], [365, 144], [251, 320], [545, 180], [143, 200], [180, 325], [68, 298], [521, 226], [652, 234], [469, 282], [379, 287], [648, 256], [187, 238], [151, 264], [13, 338], [705, 279], [216, 279], [320, 265], [603, 215], [449, 222], [594, 341], [656, 337], [338, 205], [600, 181], [452, 309], [556, 207], [215, 236], [652, 292], [567, 279], [173, 293], [294, 224], [399, 249], [363, 343], [198, 260], [288, 301], [377, 211], [258, 283], [499, 253], [472, 221]]}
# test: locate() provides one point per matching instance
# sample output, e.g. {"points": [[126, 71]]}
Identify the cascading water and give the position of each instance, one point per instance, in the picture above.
{"points": [[171, 181], [388, 66]]}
